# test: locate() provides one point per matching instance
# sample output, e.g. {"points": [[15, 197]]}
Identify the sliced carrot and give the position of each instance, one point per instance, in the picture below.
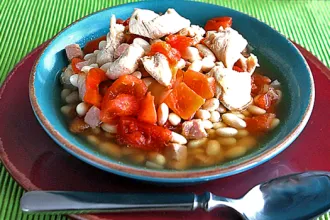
{"points": [[199, 83], [260, 123], [147, 112], [184, 101]]}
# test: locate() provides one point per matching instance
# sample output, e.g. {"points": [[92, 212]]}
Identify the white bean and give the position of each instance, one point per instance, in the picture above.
{"points": [[93, 139], [111, 148], [238, 114], [255, 110], [196, 66], [206, 52], [157, 158], [211, 104], [226, 132], [203, 114], [86, 69], [211, 133], [242, 133], [110, 128], [215, 116], [235, 152], [275, 123], [106, 66], [162, 114], [246, 113], [74, 80], [197, 143], [219, 125], [153, 165], [207, 124], [148, 81], [233, 121], [73, 97], [174, 119], [212, 148], [227, 140], [67, 110], [102, 44], [178, 138], [137, 74], [96, 51], [82, 108], [65, 93], [207, 64], [247, 142]]}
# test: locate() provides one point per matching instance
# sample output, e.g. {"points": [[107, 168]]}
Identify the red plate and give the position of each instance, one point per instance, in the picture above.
{"points": [[36, 162]]}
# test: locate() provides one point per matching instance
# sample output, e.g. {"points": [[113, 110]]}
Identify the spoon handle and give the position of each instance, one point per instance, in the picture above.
{"points": [[66, 202]]}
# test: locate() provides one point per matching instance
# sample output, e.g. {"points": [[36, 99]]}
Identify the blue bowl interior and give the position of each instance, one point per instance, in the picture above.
{"points": [[279, 59]]}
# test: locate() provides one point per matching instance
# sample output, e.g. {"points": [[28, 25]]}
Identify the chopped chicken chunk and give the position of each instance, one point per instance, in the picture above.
{"points": [[193, 129], [227, 45], [142, 43], [114, 38], [149, 24], [194, 31], [157, 66], [120, 50], [73, 51], [233, 88], [127, 63]]}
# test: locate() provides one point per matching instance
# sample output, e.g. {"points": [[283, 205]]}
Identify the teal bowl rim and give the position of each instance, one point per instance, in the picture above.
{"points": [[188, 176]]}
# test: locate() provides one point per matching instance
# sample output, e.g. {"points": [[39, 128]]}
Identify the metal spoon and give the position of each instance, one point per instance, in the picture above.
{"points": [[296, 196]]}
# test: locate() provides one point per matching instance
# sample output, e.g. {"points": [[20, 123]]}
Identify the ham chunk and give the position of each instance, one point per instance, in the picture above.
{"points": [[177, 155], [92, 117], [227, 45], [73, 51], [149, 24], [114, 38], [233, 88], [193, 129], [157, 66], [127, 63]]}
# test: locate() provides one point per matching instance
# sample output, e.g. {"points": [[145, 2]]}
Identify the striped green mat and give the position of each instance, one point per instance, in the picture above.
{"points": [[26, 24]]}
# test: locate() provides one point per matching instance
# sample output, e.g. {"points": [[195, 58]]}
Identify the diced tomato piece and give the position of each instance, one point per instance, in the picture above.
{"points": [[93, 45], [215, 23], [199, 83], [258, 81], [147, 112], [263, 101], [172, 54], [74, 62], [141, 135], [94, 77], [127, 84], [238, 69], [260, 123], [179, 42], [158, 91], [184, 101], [122, 105]]}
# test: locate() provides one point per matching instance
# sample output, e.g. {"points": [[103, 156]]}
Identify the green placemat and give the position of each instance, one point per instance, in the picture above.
{"points": [[26, 24]]}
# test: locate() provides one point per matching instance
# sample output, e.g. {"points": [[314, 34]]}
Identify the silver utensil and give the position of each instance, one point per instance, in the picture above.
{"points": [[296, 196]]}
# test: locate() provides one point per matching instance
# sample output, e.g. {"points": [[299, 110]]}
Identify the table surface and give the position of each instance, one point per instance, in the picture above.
{"points": [[26, 24]]}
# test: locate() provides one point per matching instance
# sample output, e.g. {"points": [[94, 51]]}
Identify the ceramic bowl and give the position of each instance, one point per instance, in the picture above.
{"points": [[278, 57]]}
